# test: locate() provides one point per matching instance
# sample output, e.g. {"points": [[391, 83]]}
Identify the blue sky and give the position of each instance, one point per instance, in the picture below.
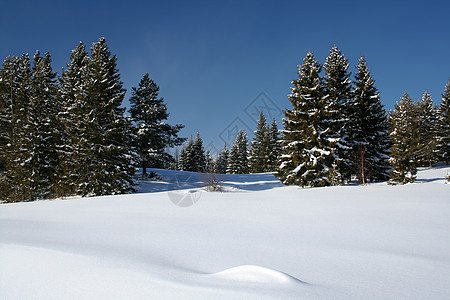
{"points": [[212, 59]]}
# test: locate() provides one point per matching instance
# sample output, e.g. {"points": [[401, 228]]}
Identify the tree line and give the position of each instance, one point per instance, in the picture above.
{"points": [[68, 135], [261, 155], [337, 130]]}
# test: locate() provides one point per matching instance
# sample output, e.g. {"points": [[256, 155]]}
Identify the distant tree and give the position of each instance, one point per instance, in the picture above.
{"points": [[238, 158], [221, 162], [308, 151], [405, 138], [443, 145], [199, 158], [368, 129], [259, 147], [274, 153], [186, 161], [209, 162], [153, 135]]}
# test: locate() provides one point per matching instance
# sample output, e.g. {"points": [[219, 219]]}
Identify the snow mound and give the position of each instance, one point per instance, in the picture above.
{"points": [[256, 274]]}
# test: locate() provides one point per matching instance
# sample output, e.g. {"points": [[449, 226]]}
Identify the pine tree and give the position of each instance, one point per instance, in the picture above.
{"points": [[444, 126], [111, 168], [238, 158], [405, 138], [153, 135], [337, 86], [308, 152], [259, 147], [428, 123], [274, 151], [186, 161], [74, 149], [221, 163], [368, 128], [209, 162], [16, 182], [199, 159], [45, 128]]}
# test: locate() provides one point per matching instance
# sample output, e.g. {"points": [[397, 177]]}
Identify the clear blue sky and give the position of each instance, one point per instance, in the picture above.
{"points": [[212, 58]]}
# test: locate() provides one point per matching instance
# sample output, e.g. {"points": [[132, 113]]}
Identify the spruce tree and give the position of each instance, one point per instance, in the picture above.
{"points": [[238, 159], [74, 149], [368, 128], [337, 86], [153, 135], [199, 159], [16, 182], [308, 152], [186, 161], [405, 138], [259, 147], [209, 162], [274, 151], [111, 167], [221, 163], [444, 126], [428, 124], [45, 128]]}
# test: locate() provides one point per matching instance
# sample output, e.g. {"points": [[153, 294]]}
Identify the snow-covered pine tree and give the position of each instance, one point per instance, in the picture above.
{"points": [[153, 135], [337, 86], [274, 151], [74, 148], [368, 128], [259, 147], [444, 126], [112, 161], [43, 113], [238, 158], [308, 153], [209, 162], [221, 162], [428, 123], [186, 156], [16, 182], [199, 159], [405, 138]]}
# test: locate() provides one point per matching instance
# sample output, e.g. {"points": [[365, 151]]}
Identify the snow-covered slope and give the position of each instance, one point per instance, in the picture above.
{"points": [[258, 240]]}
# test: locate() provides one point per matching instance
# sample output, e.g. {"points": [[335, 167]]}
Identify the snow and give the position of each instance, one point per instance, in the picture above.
{"points": [[258, 240]]}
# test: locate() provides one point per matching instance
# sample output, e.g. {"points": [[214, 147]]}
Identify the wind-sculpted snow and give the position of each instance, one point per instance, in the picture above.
{"points": [[257, 240]]}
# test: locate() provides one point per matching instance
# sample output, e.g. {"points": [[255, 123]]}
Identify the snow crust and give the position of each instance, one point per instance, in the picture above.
{"points": [[259, 240]]}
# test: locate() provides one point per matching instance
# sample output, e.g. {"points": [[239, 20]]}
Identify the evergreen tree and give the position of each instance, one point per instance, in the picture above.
{"points": [[428, 123], [444, 126], [45, 128], [153, 135], [259, 148], [74, 149], [274, 151], [199, 159], [16, 184], [209, 163], [308, 152], [111, 168], [368, 128], [221, 163], [238, 158], [186, 161], [405, 138], [337, 85]]}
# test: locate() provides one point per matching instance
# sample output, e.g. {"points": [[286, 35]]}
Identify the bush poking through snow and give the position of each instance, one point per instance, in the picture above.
{"points": [[213, 182]]}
